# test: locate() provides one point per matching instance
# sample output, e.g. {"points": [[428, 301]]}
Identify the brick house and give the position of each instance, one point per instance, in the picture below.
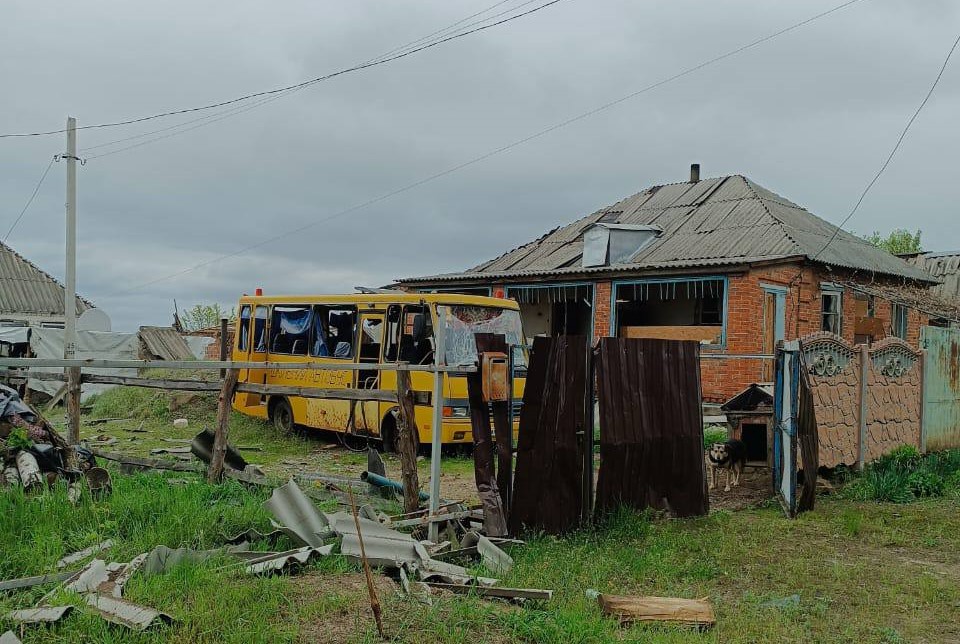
{"points": [[723, 261]]}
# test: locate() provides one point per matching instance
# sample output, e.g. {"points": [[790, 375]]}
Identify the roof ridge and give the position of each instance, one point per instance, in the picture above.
{"points": [[6, 247], [750, 186]]}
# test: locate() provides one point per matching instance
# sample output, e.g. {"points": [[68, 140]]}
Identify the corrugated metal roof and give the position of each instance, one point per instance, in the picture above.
{"points": [[26, 289], [944, 267], [720, 221], [163, 343]]}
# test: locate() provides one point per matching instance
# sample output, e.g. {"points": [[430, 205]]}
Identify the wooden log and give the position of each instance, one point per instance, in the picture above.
{"points": [[407, 444], [628, 609], [223, 345], [224, 405]]}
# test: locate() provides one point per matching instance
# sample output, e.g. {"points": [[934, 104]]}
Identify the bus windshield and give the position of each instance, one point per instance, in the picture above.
{"points": [[463, 321]]}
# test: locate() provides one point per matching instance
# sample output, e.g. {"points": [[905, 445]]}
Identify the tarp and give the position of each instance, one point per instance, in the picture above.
{"points": [[14, 334], [107, 345]]}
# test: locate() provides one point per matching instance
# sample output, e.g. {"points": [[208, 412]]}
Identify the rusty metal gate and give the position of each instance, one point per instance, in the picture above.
{"points": [[941, 388], [651, 426]]}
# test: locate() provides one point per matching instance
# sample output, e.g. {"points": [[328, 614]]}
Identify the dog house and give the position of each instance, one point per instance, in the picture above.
{"points": [[750, 419]]}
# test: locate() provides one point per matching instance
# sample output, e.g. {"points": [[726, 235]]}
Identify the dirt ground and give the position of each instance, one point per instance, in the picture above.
{"points": [[754, 490]]}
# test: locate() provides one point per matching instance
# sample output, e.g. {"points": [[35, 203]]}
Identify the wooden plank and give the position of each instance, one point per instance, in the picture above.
{"points": [[215, 471], [629, 609], [709, 333], [153, 383], [207, 365], [149, 463], [381, 395]]}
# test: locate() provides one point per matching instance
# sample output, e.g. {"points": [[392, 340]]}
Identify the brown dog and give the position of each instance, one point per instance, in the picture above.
{"points": [[730, 457]]}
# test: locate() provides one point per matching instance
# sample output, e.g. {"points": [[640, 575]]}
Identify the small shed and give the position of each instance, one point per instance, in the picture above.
{"points": [[750, 419]]}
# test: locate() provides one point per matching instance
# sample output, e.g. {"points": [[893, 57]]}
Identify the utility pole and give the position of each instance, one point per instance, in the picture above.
{"points": [[70, 288]]}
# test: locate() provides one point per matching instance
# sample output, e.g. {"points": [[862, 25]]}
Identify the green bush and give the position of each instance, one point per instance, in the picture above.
{"points": [[714, 434], [905, 475]]}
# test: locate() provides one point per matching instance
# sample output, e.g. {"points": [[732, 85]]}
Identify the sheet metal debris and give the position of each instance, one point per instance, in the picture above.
{"points": [[30, 582], [280, 561], [495, 559], [41, 615], [299, 517], [133, 616], [80, 555], [90, 578], [9, 638], [496, 591]]}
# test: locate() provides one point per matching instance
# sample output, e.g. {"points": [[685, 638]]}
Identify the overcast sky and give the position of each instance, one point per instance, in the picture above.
{"points": [[810, 115]]}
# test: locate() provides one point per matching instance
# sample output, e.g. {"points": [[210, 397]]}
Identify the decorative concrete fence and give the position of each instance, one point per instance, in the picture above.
{"points": [[867, 400]]}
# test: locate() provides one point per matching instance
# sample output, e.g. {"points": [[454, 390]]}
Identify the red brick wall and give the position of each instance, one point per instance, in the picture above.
{"points": [[601, 312]]}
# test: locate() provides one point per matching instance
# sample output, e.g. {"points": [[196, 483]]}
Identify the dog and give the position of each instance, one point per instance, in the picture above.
{"points": [[730, 457]]}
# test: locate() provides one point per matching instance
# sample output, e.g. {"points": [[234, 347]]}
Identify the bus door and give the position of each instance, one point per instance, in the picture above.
{"points": [[256, 344], [408, 338], [334, 340], [369, 343]]}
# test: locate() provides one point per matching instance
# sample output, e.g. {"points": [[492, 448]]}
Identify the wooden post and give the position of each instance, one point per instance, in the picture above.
{"points": [[407, 443], [494, 518], [224, 349], [215, 471], [588, 421], [73, 405]]}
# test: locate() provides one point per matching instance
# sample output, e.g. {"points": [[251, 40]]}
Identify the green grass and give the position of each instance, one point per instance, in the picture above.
{"points": [[713, 434], [904, 475]]}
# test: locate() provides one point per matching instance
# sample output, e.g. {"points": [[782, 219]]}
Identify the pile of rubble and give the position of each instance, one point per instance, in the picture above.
{"points": [[33, 455]]}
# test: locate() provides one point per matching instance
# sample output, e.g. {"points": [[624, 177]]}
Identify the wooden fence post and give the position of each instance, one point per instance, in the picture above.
{"points": [[407, 443], [224, 349], [73, 405], [224, 403]]}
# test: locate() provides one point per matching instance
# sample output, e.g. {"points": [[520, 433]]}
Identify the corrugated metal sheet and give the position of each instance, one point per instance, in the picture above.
{"points": [[548, 480], [944, 267], [651, 441], [941, 388], [163, 343], [26, 289], [729, 219]]}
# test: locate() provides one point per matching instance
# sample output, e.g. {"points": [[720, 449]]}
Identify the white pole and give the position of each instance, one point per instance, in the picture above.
{"points": [[70, 290], [437, 425], [70, 287]]}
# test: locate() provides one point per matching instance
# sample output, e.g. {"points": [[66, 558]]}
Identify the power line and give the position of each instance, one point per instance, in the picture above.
{"points": [[212, 118], [30, 200], [491, 153], [295, 86], [896, 147]]}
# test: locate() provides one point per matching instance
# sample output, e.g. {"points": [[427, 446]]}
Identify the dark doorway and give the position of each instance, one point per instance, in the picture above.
{"points": [[754, 436]]}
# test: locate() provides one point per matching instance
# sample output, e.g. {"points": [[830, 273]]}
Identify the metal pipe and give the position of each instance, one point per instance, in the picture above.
{"points": [[390, 484]]}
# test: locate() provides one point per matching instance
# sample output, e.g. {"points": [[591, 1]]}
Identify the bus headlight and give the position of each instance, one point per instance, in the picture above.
{"points": [[456, 412]]}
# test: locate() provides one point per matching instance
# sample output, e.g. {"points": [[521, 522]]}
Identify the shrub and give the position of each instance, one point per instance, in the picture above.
{"points": [[904, 475], [713, 434]]}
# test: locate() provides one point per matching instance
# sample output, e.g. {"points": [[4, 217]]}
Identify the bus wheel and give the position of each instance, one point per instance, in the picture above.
{"points": [[389, 434], [282, 417]]}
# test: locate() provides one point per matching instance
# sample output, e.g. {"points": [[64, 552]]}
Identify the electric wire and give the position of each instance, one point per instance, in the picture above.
{"points": [[30, 200], [896, 147], [489, 154], [299, 85], [212, 118]]}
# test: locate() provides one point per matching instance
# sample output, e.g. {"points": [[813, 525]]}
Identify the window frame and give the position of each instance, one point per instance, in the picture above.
{"points": [[899, 320], [834, 291], [321, 321], [243, 338]]}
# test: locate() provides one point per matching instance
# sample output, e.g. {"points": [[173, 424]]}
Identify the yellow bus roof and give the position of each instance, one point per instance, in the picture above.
{"points": [[373, 299]]}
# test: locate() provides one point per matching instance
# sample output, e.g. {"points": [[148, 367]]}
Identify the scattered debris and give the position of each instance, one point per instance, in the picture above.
{"points": [[119, 611], [9, 638], [495, 559], [629, 609], [495, 591], [299, 517], [181, 423], [378, 481], [171, 450], [39, 580], [80, 555], [283, 561], [43, 614]]}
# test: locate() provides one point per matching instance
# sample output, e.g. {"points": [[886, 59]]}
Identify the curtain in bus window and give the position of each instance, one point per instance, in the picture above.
{"points": [[260, 330], [292, 331], [319, 341], [244, 328]]}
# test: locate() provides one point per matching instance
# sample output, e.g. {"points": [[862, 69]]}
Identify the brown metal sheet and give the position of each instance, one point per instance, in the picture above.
{"points": [[549, 470], [651, 436], [808, 440]]}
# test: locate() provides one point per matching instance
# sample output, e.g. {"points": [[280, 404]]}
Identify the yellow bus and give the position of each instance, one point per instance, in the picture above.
{"points": [[368, 329]]}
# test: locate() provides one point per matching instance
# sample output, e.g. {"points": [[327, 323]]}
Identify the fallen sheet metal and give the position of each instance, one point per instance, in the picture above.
{"points": [[202, 447], [297, 515], [133, 616], [90, 578], [44, 614], [80, 555], [495, 559], [496, 591], [280, 561], [30, 582], [128, 571], [253, 535], [9, 638]]}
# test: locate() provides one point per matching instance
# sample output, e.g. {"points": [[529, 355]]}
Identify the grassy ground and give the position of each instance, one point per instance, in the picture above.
{"points": [[851, 571]]}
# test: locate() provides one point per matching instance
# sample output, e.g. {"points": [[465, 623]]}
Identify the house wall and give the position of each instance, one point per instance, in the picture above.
{"points": [[723, 378]]}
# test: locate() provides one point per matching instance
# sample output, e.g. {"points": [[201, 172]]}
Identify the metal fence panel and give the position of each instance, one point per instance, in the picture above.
{"points": [[548, 478], [651, 426], [941, 388]]}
